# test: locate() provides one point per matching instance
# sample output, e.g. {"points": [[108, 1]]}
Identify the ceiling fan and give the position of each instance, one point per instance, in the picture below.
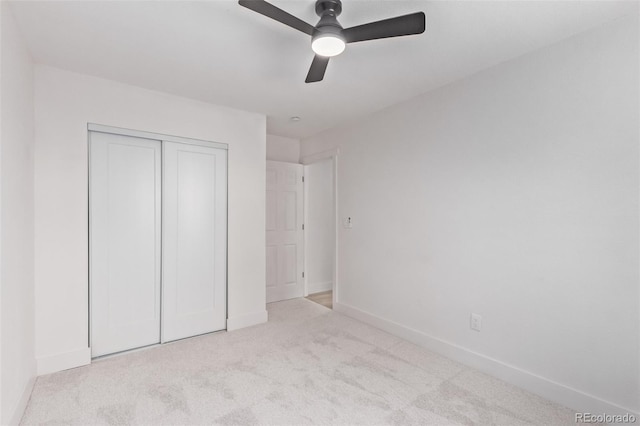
{"points": [[328, 38]]}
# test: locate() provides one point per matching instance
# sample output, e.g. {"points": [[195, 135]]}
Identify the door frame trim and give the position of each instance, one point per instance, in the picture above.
{"points": [[333, 155], [92, 127]]}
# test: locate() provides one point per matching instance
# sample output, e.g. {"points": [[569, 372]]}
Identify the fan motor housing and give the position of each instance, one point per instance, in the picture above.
{"points": [[322, 30], [328, 10]]}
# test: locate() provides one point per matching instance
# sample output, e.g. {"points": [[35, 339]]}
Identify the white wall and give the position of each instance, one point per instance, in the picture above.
{"points": [[17, 359], [284, 149], [319, 226], [512, 194], [64, 103]]}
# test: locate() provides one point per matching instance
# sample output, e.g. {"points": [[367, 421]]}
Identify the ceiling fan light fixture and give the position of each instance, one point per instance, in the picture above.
{"points": [[328, 45], [328, 37]]}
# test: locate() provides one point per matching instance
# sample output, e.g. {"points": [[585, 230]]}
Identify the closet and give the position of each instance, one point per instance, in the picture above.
{"points": [[157, 238]]}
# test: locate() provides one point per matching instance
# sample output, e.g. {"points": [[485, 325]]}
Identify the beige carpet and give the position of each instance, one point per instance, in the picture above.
{"points": [[307, 365]]}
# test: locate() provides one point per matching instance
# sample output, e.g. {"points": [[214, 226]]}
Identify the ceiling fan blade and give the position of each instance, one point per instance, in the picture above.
{"points": [[318, 67], [270, 11], [392, 27]]}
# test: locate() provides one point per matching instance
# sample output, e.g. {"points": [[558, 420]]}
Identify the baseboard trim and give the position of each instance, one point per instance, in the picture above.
{"points": [[21, 405], [247, 320], [319, 287], [546, 388], [64, 361]]}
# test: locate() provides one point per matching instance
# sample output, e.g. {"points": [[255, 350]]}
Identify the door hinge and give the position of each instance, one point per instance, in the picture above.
{"points": [[303, 275], [302, 178], [303, 226]]}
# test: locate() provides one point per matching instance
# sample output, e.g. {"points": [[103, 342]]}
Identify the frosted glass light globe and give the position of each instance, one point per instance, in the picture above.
{"points": [[328, 45]]}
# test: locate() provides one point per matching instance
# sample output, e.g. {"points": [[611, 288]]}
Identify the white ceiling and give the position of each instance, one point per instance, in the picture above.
{"points": [[220, 52]]}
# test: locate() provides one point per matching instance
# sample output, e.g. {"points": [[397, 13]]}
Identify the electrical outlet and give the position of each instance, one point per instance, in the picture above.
{"points": [[476, 322]]}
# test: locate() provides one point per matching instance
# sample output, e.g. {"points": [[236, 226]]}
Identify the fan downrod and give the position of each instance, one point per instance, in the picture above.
{"points": [[328, 7]]}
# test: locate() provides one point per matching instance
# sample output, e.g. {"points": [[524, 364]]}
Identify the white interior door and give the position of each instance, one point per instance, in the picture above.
{"points": [[194, 240], [125, 267], [285, 238]]}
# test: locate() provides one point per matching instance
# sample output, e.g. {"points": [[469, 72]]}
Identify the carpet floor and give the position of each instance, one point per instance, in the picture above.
{"points": [[307, 365]]}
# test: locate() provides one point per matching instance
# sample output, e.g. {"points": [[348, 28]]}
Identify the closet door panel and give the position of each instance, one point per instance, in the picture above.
{"points": [[125, 208], [194, 240]]}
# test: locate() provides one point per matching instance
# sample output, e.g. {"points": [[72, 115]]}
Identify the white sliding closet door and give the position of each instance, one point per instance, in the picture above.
{"points": [[125, 268], [194, 240]]}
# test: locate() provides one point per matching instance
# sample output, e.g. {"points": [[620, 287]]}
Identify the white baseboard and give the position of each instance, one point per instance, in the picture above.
{"points": [[63, 361], [21, 404], [319, 287], [246, 320], [546, 388]]}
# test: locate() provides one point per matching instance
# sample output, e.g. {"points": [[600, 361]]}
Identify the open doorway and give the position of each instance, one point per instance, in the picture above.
{"points": [[320, 228]]}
